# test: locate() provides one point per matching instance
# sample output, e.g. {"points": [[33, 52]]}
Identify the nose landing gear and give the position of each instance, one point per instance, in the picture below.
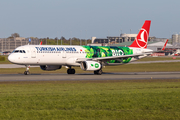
{"points": [[27, 70]]}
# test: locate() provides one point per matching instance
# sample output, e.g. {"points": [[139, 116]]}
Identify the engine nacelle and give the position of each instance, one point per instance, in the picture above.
{"points": [[90, 65], [50, 67]]}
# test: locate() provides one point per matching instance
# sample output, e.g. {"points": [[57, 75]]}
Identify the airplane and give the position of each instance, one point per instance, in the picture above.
{"points": [[88, 58]]}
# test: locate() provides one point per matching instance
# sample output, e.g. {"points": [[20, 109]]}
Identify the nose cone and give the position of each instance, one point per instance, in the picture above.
{"points": [[11, 58]]}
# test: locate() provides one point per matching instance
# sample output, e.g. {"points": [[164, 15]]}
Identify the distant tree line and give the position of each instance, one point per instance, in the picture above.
{"points": [[62, 40], [14, 35]]}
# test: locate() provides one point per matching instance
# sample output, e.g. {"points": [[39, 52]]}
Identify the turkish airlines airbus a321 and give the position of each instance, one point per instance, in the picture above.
{"points": [[92, 58]]}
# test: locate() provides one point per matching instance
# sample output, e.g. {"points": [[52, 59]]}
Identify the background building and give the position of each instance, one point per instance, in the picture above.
{"points": [[176, 39], [116, 39], [9, 44]]}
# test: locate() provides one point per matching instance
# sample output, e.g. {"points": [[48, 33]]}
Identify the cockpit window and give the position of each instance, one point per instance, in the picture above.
{"points": [[19, 51], [16, 51]]}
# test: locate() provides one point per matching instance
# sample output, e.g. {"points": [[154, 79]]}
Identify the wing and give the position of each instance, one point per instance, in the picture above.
{"points": [[112, 57]]}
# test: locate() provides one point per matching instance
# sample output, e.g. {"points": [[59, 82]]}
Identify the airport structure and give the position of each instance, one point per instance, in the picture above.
{"points": [[9, 44], [176, 39], [116, 39]]}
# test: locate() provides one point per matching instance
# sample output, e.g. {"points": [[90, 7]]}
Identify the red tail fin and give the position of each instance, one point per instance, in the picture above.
{"points": [[142, 37], [165, 45], [40, 43]]}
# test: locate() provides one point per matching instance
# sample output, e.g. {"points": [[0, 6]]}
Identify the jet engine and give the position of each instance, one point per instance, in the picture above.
{"points": [[50, 67], [90, 65]]}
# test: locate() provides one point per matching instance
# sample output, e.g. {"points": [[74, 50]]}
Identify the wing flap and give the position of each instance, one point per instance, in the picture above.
{"points": [[78, 60], [118, 57]]}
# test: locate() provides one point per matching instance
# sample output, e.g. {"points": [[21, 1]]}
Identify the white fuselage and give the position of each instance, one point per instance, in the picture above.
{"points": [[46, 57], [54, 54]]}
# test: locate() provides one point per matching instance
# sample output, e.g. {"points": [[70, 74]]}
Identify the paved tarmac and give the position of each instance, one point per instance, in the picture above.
{"points": [[90, 76], [136, 62]]}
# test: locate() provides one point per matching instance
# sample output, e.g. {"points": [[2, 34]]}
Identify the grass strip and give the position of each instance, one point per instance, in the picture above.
{"points": [[83, 100], [5, 61]]}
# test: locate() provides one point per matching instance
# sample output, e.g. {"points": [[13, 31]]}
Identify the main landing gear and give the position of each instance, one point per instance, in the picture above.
{"points": [[98, 72], [27, 70], [71, 71]]}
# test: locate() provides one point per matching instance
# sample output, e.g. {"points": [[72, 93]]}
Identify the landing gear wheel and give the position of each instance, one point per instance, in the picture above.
{"points": [[26, 72], [71, 71], [98, 72]]}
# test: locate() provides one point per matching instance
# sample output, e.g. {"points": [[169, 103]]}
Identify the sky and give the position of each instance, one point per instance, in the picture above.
{"points": [[88, 18]]}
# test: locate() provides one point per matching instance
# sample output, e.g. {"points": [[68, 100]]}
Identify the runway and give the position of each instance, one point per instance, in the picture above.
{"points": [[89, 76]]}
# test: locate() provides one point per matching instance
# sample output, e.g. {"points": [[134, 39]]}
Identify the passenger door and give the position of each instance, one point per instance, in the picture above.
{"points": [[33, 53], [63, 54]]}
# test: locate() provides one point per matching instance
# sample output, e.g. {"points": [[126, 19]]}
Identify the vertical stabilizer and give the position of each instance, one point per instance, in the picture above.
{"points": [[142, 37], [165, 45]]}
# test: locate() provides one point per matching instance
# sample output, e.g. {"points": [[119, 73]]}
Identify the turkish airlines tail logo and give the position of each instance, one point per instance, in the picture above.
{"points": [[142, 37]]}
